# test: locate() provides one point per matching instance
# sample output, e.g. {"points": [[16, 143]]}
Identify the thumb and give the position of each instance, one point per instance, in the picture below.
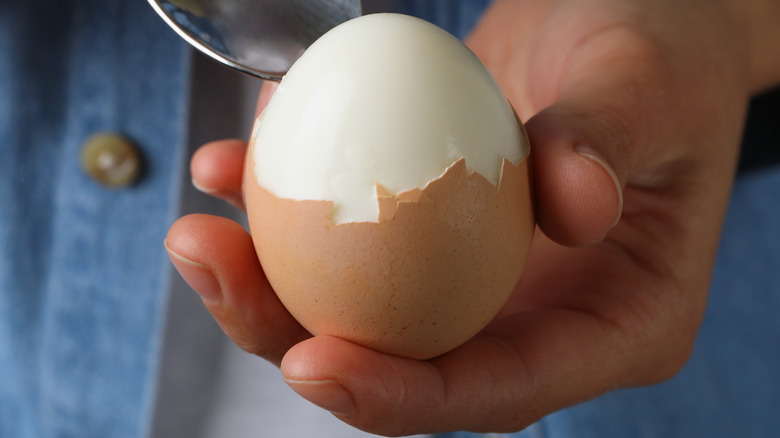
{"points": [[578, 172]]}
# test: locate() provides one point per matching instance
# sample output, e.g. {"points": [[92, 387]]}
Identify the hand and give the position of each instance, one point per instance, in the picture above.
{"points": [[635, 111]]}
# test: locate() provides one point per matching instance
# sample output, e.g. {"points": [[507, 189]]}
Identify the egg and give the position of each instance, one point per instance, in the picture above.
{"points": [[387, 188]]}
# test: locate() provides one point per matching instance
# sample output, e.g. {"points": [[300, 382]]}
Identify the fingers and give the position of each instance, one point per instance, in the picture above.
{"points": [[217, 169], [389, 395], [494, 383], [217, 258], [579, 193], [608, 122]]}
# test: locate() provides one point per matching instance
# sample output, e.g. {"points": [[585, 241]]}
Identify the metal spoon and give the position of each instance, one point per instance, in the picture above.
{"points": [[262, 38]]}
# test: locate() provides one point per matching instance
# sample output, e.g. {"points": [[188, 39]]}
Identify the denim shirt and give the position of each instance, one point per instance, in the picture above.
{"points": [[82, 270], [83, 274]]}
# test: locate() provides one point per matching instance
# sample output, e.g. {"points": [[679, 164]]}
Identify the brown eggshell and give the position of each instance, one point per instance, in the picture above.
{"points": [[435, 269]]}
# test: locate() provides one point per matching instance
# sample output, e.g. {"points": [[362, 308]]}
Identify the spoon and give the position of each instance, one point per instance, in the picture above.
{"points": [[262, 38]]}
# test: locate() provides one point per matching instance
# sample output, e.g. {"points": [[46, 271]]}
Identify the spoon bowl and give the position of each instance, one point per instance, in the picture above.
{"points": [[262, 38]]}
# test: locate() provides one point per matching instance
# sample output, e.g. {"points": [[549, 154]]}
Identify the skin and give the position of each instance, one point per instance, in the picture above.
{"points": [[635, 111]]}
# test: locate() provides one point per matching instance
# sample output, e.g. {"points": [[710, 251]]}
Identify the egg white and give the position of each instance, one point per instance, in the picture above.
{"points": [[387, 99]]}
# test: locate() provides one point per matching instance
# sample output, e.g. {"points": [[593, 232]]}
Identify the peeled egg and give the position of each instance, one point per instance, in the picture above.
{"points": [[387, 188]]}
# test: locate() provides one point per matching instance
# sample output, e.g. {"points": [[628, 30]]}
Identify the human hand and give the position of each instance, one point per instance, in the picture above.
{"points": [[633, 108]]}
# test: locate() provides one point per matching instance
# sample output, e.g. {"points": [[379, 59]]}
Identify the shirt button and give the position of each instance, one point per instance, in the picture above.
{"points": [[111, 159]]}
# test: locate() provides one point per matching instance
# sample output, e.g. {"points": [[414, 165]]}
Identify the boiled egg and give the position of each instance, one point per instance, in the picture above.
{"points": [[387, 188]]}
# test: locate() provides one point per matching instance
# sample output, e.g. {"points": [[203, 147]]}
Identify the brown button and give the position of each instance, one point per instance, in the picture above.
{"points": [[111, 159]]}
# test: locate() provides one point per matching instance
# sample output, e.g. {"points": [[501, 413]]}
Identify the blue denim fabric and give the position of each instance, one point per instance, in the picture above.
{"points": [[455, 16], [82, 267]]}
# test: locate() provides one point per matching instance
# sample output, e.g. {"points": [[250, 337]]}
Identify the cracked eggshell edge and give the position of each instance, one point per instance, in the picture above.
{"points": [[436, 269]]}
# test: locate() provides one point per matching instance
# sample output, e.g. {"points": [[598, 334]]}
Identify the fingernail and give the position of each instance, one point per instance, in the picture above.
{"points": [[202, 189], [200, 277], [587, 152], [327, 394]]}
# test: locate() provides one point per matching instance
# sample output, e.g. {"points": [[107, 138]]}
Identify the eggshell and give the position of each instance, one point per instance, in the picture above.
{"points": [[431, 273]]}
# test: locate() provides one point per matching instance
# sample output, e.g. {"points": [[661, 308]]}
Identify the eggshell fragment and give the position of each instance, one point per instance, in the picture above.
{"points": [[431, 273]]}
